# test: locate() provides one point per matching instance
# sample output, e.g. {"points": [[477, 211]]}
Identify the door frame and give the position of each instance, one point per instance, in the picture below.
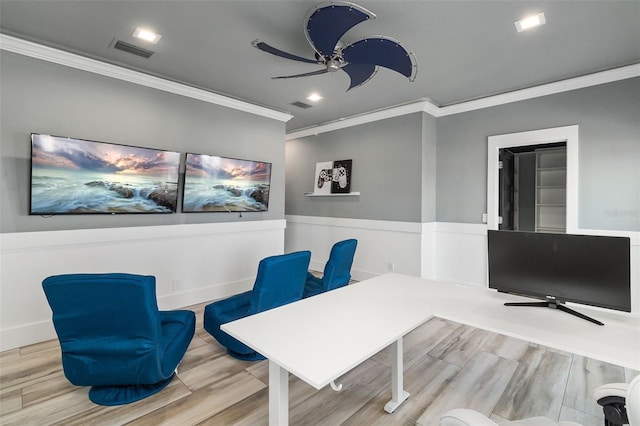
{"points": [[567, 134]]}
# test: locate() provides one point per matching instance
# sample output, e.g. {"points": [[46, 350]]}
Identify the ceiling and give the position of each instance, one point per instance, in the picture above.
{"points": [[465, 49]]}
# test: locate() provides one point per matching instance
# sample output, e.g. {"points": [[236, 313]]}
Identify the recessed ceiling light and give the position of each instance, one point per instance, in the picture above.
{"points": [[530, 22], [314, 97], [146, 35]]}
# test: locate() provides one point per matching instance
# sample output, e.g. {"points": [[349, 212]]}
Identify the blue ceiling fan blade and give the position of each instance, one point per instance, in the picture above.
{"points": [[326, 25], [359, 73], [382, 51], [306, 74], [270, 49]]}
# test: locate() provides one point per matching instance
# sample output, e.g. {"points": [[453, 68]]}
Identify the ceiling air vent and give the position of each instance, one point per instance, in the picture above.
{"points": [[130, 48], [301, 105]]}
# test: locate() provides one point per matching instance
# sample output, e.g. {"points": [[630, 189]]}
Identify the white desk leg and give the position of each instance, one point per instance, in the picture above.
{"points": [[278, 395], [398, 394]]}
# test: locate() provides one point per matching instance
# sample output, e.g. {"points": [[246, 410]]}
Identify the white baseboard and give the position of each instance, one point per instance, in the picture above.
{"points": [[26, 334]]}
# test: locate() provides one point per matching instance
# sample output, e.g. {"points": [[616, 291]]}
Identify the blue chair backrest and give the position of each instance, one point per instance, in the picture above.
{"points": [[280, 280], [108, 326], [337, 271]]}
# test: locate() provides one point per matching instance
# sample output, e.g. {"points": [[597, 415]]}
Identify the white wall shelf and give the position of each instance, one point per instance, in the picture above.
{"points": [[346, 194]]}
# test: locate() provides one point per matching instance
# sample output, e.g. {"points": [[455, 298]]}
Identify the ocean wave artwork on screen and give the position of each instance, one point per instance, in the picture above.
{"points": [[220, 184], [76, 176]]}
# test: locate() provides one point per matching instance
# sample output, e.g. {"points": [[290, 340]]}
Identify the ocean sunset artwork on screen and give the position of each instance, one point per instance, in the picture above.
{"points": [[220, 184], [76, 176]]}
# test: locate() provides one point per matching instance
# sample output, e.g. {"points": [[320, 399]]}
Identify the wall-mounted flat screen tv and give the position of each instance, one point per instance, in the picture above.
{"points": [[76, 176], [220, 184], [587, 269]]}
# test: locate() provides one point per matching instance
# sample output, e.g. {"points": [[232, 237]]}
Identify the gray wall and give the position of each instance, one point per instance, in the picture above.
{"points": [[429, 167], [452, 179], [412, 168], [387, 171], [46, 98], [609, 153]]}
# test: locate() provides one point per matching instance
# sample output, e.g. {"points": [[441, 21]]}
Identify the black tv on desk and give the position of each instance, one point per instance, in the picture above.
{"points": [[558, 268]]}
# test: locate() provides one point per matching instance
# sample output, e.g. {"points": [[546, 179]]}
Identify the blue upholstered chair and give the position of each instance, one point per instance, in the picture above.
{"points": [[280, 280], [337, 271], [112, 336]]}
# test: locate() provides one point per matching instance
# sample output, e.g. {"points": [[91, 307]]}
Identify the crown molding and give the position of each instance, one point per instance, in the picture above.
{"points": [[581, 82], [602, 77], [396, 111], [49, 54]]}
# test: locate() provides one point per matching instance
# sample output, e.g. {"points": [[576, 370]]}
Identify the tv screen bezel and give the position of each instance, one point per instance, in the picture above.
{"points": [[168, 210], [530, 292], [217, 182]]}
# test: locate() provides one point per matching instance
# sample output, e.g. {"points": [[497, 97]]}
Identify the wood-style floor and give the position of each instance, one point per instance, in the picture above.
{"points": [[447, 365]]}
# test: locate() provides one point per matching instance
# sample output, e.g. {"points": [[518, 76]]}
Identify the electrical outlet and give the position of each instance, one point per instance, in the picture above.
{"points": [[391, 266], [176, 284], [484, 218]]}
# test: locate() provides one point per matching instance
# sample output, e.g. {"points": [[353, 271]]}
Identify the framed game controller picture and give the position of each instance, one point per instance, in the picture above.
{"points": [[333, 177]]}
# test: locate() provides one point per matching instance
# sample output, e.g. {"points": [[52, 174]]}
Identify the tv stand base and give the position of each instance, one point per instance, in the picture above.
{"points": [[555, 305]]}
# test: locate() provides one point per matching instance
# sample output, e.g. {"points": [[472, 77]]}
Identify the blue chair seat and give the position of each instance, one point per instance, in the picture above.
{"points": [[113, 337], [280, 280], [337, 270], [314, 285]]}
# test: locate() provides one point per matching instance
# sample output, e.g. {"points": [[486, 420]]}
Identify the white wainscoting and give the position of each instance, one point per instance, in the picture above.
{"points": [[198, 263], [455, 252], [192, 264], [429, 258], [446, 251], [461, 253], [383, 246]]}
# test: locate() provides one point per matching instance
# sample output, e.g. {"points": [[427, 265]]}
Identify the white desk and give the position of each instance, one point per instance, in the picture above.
{"points": [[320, 338]]}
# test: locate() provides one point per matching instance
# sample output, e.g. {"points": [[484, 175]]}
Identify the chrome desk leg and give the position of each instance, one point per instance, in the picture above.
{"points": [[398, 394], [278, 395]]}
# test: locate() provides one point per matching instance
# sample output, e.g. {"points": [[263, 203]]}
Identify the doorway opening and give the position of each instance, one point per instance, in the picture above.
{"points": [[542, 139], [532, 188]]}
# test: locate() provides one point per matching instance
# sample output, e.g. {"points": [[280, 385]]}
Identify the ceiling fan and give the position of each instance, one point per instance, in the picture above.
{"points": [[324, 26]]}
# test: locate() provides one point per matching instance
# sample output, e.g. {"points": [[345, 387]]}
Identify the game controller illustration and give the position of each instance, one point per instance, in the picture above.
{"points": [[337, 174]]}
